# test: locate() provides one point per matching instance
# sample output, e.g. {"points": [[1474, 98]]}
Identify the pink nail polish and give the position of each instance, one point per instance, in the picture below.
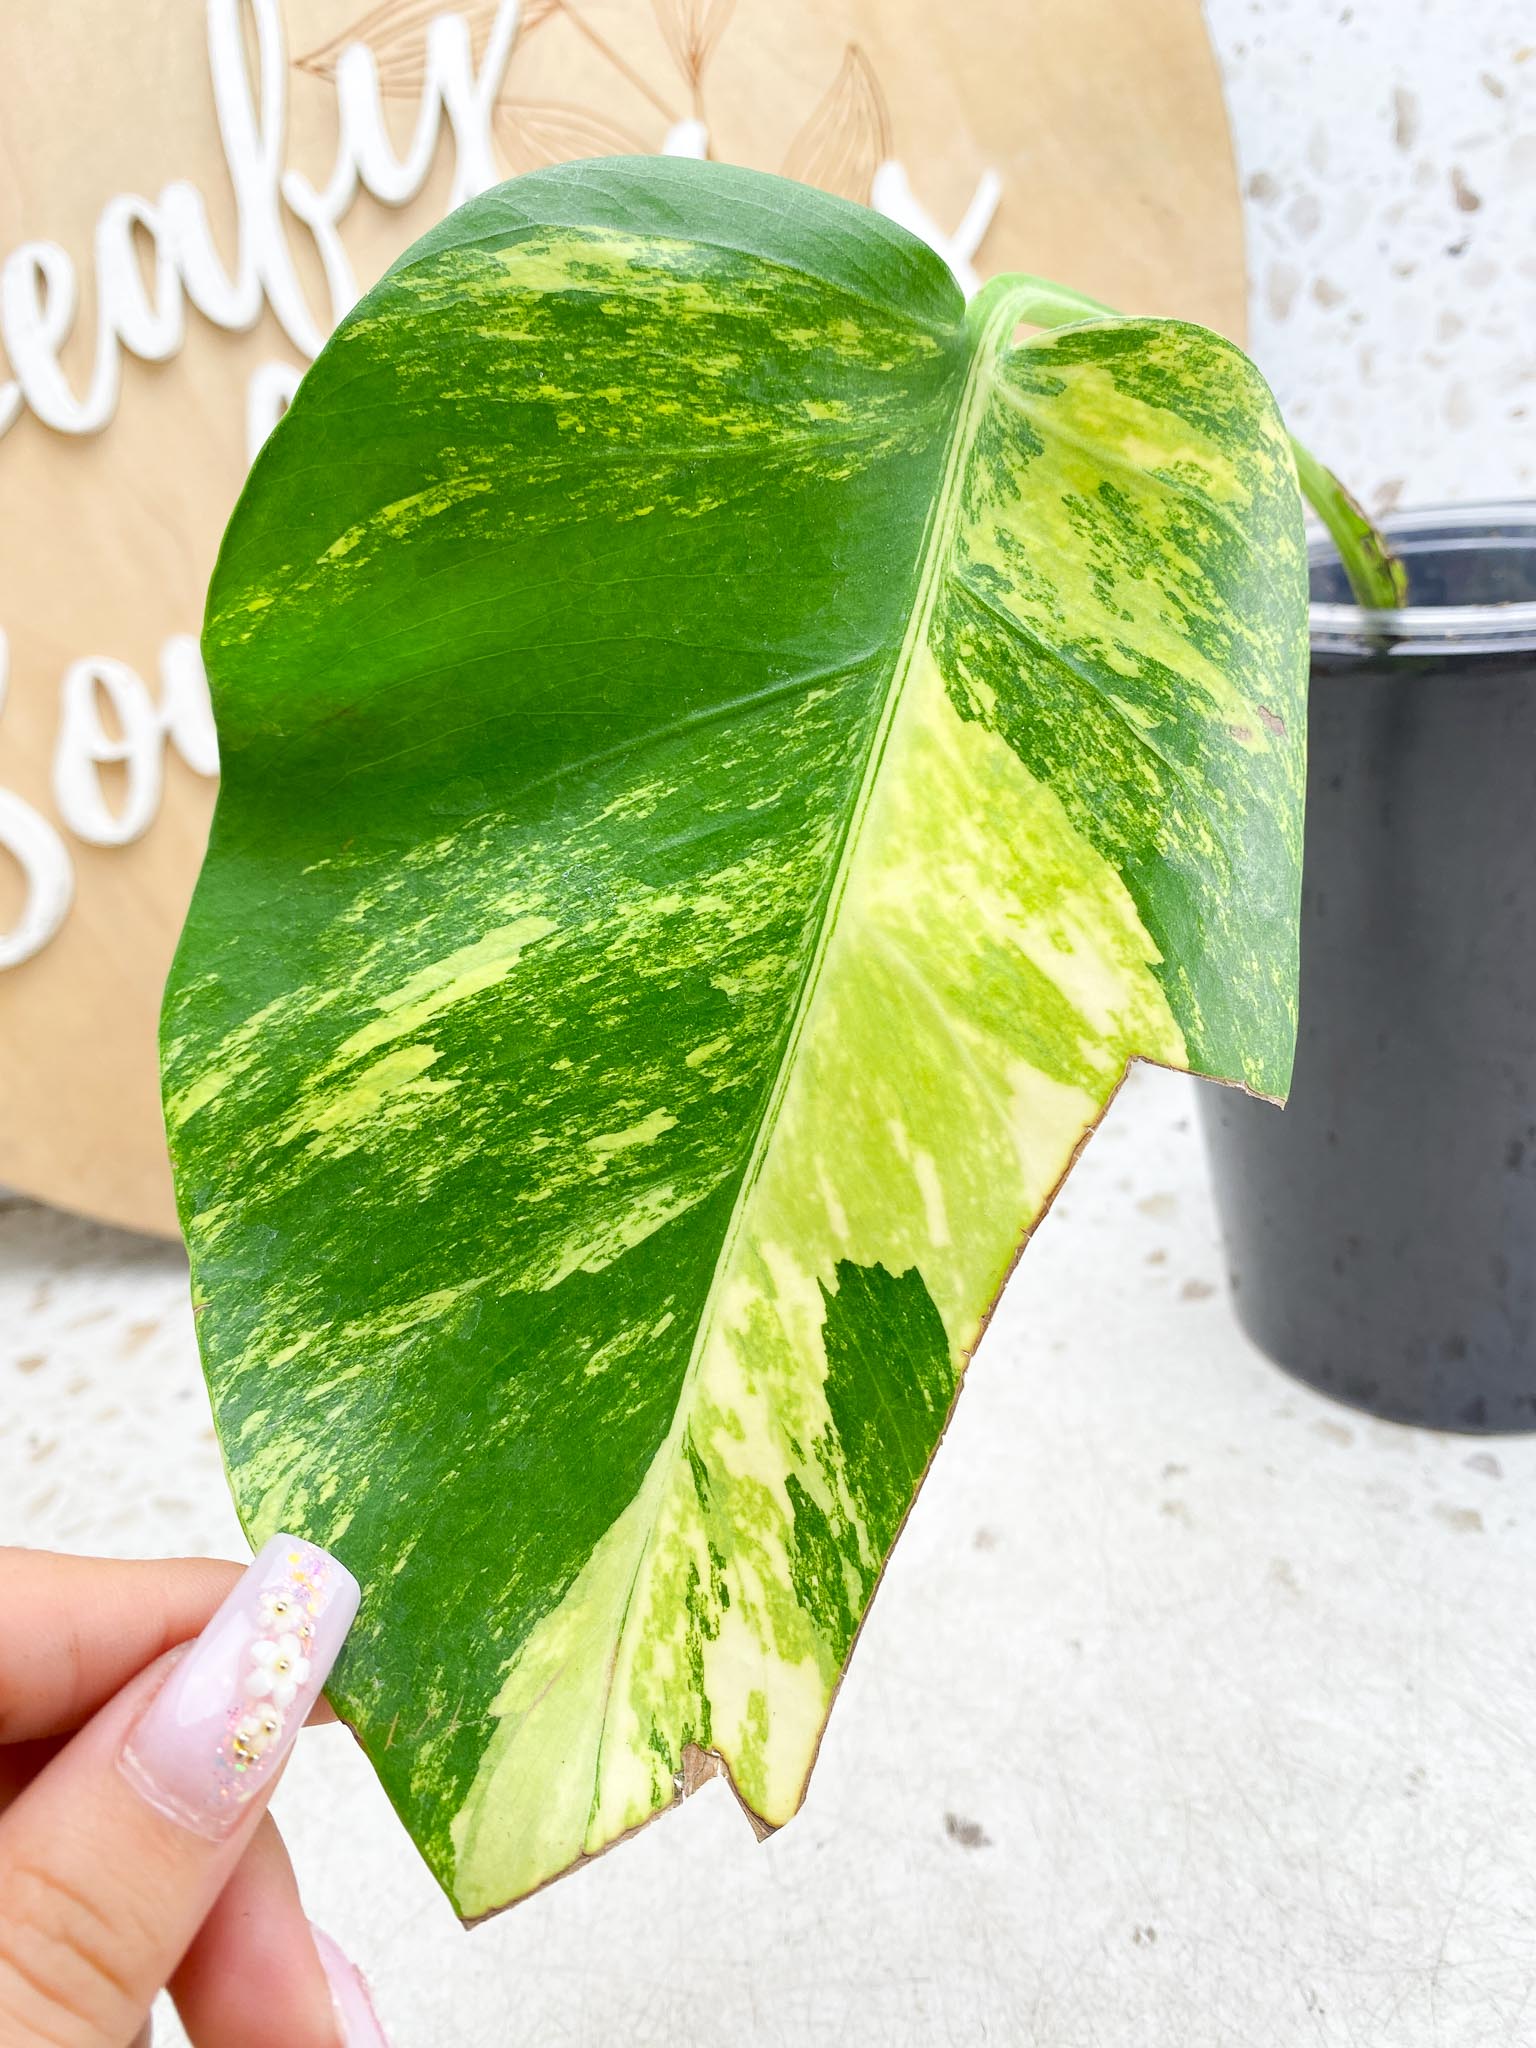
{"points": [[220, 1726], [355, 2015]]}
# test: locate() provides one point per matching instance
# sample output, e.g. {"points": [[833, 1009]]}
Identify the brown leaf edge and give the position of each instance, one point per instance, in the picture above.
{"points": [[699, 1765]]}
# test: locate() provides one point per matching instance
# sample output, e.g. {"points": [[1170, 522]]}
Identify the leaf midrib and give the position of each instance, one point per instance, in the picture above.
{"points": [[1001, 316]]}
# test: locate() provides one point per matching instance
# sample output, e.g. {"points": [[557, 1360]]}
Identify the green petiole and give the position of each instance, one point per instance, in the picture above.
{"points": [[1377, 578]]}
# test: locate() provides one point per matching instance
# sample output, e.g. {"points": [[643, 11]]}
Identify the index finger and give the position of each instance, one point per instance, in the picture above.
{"points": [[113, 1856], [78, 1628]]}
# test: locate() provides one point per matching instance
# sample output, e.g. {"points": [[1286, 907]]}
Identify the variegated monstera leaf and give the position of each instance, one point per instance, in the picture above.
{"points": [[727, 753]]}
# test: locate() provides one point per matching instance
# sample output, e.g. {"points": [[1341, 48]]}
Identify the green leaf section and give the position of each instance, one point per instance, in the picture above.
{"points": [[727, 755]]}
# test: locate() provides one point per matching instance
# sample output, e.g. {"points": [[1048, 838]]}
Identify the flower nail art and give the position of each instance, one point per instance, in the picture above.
{"points": [[228, 1713], [255, 1733], [278, 1669], [282, 1613], [277, 1664]]}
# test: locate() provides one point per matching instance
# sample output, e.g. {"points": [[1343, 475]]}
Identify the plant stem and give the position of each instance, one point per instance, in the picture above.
{"points": [[1035, 302], [1376, 577]]}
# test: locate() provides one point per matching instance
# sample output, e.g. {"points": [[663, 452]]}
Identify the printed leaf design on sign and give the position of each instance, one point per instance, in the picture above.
{"points": [[396, 33], [533, 133], [728, 754], [692, 30], [848, 135]]}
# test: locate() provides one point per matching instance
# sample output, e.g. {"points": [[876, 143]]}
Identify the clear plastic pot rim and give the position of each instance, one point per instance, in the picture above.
{"points": [[1429, 630]]}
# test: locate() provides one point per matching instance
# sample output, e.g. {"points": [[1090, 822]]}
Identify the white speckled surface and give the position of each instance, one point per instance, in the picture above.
{"points": [[1387, 151], [1194, 1713]]}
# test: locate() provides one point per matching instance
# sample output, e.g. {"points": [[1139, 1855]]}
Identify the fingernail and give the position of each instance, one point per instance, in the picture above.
{"points": [[355, 2015], [217, 1731]]}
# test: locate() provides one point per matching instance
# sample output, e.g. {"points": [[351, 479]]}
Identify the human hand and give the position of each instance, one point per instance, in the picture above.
{"points": [[135, 1846]]}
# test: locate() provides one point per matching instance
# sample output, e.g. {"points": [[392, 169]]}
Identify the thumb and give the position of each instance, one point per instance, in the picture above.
{"points": [[114, 1855]]}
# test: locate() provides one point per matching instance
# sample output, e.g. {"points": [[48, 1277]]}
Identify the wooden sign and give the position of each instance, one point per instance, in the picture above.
{"points": [[188, 205]]}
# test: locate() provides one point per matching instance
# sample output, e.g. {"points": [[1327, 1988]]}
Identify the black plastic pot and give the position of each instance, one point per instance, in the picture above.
{"points": [[1381, 1230]]}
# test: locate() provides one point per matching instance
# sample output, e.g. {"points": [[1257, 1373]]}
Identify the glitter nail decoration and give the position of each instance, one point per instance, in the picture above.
{"points": [[226, 1717]]}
